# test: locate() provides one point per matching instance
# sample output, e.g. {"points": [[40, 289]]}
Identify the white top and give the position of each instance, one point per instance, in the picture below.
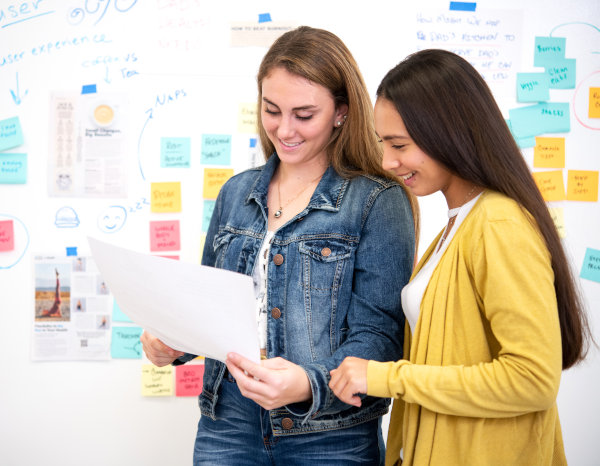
{"points": [[412, 293], [259, 277]]}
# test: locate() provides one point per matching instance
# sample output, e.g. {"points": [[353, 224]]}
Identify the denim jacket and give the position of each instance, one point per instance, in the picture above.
{"points": [[334, 279]]}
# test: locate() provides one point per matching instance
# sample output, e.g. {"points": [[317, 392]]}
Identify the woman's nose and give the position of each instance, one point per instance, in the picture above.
{"points": [[286, 128], [389, 162]]}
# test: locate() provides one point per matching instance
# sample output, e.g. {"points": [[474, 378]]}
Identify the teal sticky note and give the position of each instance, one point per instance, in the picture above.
{"points": [[125, 342], [545, 117], [548, 50], [561, 74], [13, 168], [10, 133], [555, 117], [533, 87], [523, 123], [590, 270], [175, 152], [118, 315], [207, 212], [524, 143], [216, 149]]}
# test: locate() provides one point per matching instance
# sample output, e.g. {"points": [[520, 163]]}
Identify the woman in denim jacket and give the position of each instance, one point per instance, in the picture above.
{"points": [[329, 238]]}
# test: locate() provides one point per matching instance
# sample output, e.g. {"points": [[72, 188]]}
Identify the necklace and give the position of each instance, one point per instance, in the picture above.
{"points": [[279, 211], [452, 214]]}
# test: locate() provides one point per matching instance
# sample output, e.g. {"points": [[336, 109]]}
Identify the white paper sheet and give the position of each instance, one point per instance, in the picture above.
{"points": [[192, 308]]}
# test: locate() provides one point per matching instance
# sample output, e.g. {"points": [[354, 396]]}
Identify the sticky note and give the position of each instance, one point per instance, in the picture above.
{"points": [[202, 243], [551, 185], [214, 179], [463, 6], [594, 110], [561, 74], [175, 258], [548, 49], [175, 152], [10, 133], [590, 270], [533, 87], [558, 217], [188, 379], [207, 211], [545, 117], [165, 197], [157, 381], [216, 149], [118, 315], [7, 236], [549, 153], [165, 236], [247, 118], [13, 168], [125, 343], [264, 17], [582, 185]]}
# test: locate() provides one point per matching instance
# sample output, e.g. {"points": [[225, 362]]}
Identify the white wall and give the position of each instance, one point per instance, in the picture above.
{"points": [[72, 413]]}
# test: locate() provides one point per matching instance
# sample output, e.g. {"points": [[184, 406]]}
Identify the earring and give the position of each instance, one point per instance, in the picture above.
{"points": [[339, 123]]}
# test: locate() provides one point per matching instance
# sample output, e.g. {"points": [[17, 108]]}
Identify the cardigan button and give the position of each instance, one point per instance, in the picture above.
{"points": [[287, 423], [276, 313], [278, 259]]}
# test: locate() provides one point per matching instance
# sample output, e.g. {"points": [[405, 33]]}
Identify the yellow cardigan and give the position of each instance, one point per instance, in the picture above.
{"points": [[480, 385]]}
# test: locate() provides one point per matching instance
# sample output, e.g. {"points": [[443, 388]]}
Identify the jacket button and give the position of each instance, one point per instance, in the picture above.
{"points": [[326, 252], [278, 259], [287, 423], [276, 313]]}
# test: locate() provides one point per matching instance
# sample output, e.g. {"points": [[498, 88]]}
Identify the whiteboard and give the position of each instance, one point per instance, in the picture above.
{"points": [[172, 69]]}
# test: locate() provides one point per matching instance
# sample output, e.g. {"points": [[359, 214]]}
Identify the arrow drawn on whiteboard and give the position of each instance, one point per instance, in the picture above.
{"points": [[17, 96], [106, 75], [139, 143]]}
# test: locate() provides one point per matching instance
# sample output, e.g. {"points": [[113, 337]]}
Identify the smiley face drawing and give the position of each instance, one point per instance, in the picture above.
{"points": [[112, 219]]}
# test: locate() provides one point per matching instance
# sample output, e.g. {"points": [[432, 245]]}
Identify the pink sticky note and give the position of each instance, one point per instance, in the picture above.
{"points": [[188, 379], [164, 236], [170, 257], [7, 236]]}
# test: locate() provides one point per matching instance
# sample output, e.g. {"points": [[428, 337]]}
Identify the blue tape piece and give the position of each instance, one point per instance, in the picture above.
{"points": [[463, 6], [264, 17], [252, 142], [71, 251], [88, 89]]}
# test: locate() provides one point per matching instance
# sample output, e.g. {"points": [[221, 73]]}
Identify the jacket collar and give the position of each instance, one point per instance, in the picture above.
{"points": [[327, 195]]}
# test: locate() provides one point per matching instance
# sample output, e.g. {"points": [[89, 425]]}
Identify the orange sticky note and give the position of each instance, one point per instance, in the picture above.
{"points": [[551, 185], [7, 236], [594, 111], [157, 381], [214, 179], [164, 236], [188, 379], [558, 216], [247, 118], [549, 153], [582, 185], [165, 197]]}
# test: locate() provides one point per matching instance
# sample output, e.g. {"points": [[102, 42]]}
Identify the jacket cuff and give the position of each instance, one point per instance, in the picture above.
{"points": [[318, 377], [378, 378]]}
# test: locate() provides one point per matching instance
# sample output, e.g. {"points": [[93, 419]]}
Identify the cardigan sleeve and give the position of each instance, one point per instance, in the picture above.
{"points": [[513, 282]]}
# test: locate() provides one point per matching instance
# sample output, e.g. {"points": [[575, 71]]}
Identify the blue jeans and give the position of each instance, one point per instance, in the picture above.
{"points": [[242, 436]]}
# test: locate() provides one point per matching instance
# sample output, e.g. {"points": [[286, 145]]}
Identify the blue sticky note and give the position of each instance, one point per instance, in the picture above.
{"points": [[216, 149], [13, 168], [463, 6], [548, 50], [71, 251], [175, 152], [10, 133], [207, 212], [545, 117], [88, 89], [590, 270], [118, 315], [524, 143], [125, 342], [533, 87], [264, 17], [561, 73]]}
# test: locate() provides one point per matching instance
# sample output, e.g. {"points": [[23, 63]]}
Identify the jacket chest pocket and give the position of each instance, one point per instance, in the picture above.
{"points": [[232, 251], [323, 263]]}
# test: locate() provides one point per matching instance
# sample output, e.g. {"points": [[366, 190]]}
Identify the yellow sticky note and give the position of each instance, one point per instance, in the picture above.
{"points": [[551, 185], [214, 179], [558, 215], [247, 118], [594, 102], [549, 153], [165, 197], [582, 185], [157, 381]]}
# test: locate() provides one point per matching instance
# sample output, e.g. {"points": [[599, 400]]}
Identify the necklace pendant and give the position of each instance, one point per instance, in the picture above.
{"points": [[277, 213]]}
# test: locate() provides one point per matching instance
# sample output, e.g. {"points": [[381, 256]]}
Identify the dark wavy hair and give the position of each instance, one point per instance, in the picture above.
{"points": [[451, 115]]}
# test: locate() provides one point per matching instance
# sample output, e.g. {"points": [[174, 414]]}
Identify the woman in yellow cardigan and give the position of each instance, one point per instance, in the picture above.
{"points": [[493, 314]]}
